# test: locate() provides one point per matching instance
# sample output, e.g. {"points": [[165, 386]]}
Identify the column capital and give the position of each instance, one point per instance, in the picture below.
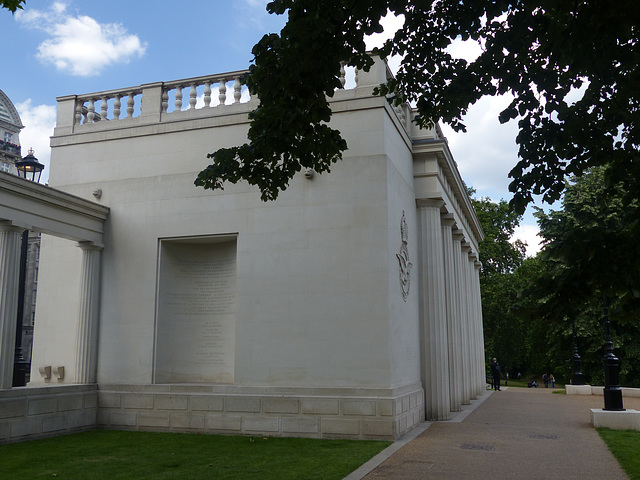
{"points": [[8, 226], [90, 246], [447, 220], [429, 202]]}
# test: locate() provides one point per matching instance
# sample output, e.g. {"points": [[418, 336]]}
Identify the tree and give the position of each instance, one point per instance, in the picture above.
{"points": [[572, 68], [12, 5], [588, 254], [500, 283], [589, 245]]}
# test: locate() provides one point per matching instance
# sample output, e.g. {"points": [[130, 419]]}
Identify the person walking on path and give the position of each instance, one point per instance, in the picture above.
{"points": [[545, 380], [552, 379], [495, 373]]}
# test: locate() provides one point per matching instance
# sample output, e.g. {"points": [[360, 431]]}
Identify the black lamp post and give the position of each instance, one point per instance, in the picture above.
{"points": [[577, 378], [29, 168], [612, 391]]}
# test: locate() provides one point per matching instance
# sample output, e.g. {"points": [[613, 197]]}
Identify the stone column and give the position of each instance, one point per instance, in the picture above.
{"points": [[87, 336], [10, 242], [478, 298], [455, 385], [473, 340], [466, 319], [460, 315], [433, 311], [473, 327]]}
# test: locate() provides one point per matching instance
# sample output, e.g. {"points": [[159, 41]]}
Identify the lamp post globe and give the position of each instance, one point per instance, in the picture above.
{"points": [[29, 167]]}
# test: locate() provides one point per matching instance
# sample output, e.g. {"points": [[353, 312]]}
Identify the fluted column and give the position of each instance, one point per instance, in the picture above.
{"points": [[455, 384], [473, 326], [433, 312], [464, 315], [478, 299], [10, 242], [87, 336], [472, 365], [460, 315]]}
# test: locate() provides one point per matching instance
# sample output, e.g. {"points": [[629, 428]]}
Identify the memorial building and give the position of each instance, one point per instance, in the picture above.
{"points": [[348, 307]]}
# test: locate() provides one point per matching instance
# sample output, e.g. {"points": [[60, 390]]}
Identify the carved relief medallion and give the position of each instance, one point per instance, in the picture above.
{"points": [[403, 260]]}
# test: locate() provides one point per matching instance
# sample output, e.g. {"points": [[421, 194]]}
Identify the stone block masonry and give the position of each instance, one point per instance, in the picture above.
{"points": [[30, 413], [315, 413], [38, 412]]}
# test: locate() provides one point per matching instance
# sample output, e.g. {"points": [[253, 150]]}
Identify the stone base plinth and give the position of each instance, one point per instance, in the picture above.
{"points": [[578, 389], [616, 420], [294, 412]]}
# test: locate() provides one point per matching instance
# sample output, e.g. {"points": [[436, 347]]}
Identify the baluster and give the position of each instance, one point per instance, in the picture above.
{"points": [[193, 93], [78, 116], [222, 97], [356, 71], [178, 103], [165, 100], [103, 108], [343, 74], [116, 107], [91, 110], [130, 102], [398, 110], [237, 90], [207, 93]]}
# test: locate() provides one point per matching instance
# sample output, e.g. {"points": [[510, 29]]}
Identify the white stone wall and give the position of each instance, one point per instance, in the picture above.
{"points": [[29, 413], [319, 306]]}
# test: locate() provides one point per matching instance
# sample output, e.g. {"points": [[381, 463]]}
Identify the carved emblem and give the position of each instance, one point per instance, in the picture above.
{"points": [[403, 260]]}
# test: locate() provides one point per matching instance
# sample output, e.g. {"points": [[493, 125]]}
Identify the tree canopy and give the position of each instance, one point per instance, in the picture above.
{"points": [[588, 247], [12, 5], [587, 256], [500, 282], [571, 67]]}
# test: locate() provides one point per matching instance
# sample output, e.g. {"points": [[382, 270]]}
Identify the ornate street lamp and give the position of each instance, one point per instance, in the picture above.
{"points": [[612, 391], [29, 167]]}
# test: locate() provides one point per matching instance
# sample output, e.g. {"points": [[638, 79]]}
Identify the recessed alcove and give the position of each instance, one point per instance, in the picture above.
{"points": [[196, 310]]}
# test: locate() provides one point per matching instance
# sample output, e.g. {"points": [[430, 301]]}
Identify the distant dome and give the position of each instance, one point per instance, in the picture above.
{"points": [[9, 114], [10, 126]]}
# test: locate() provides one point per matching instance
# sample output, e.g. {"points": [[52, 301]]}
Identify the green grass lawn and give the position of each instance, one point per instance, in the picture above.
{"points": [[625, 446], [102, 454], [523, 383]]}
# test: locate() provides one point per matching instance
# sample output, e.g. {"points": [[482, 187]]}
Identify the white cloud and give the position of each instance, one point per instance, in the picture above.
{"points": [[468, 50], [80, 45], [391, 24], [39, 122], [487, 151], [529, 235]]}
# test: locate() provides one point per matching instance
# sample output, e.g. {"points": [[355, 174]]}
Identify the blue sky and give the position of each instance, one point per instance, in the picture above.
{"points": [[57, 48]]}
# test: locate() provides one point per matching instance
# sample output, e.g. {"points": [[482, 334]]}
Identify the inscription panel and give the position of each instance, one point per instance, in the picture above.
{"points": [[196, 316]]}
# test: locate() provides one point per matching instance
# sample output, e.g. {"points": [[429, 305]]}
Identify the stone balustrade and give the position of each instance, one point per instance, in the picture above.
{"points": [[187, 94], [209, 95]]}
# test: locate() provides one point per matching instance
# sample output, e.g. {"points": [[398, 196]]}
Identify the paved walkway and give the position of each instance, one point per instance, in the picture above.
{"points": [[517, 433]]}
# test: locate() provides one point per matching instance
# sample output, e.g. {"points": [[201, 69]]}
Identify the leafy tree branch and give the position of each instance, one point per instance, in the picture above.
{"points": [[571, 67]]}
